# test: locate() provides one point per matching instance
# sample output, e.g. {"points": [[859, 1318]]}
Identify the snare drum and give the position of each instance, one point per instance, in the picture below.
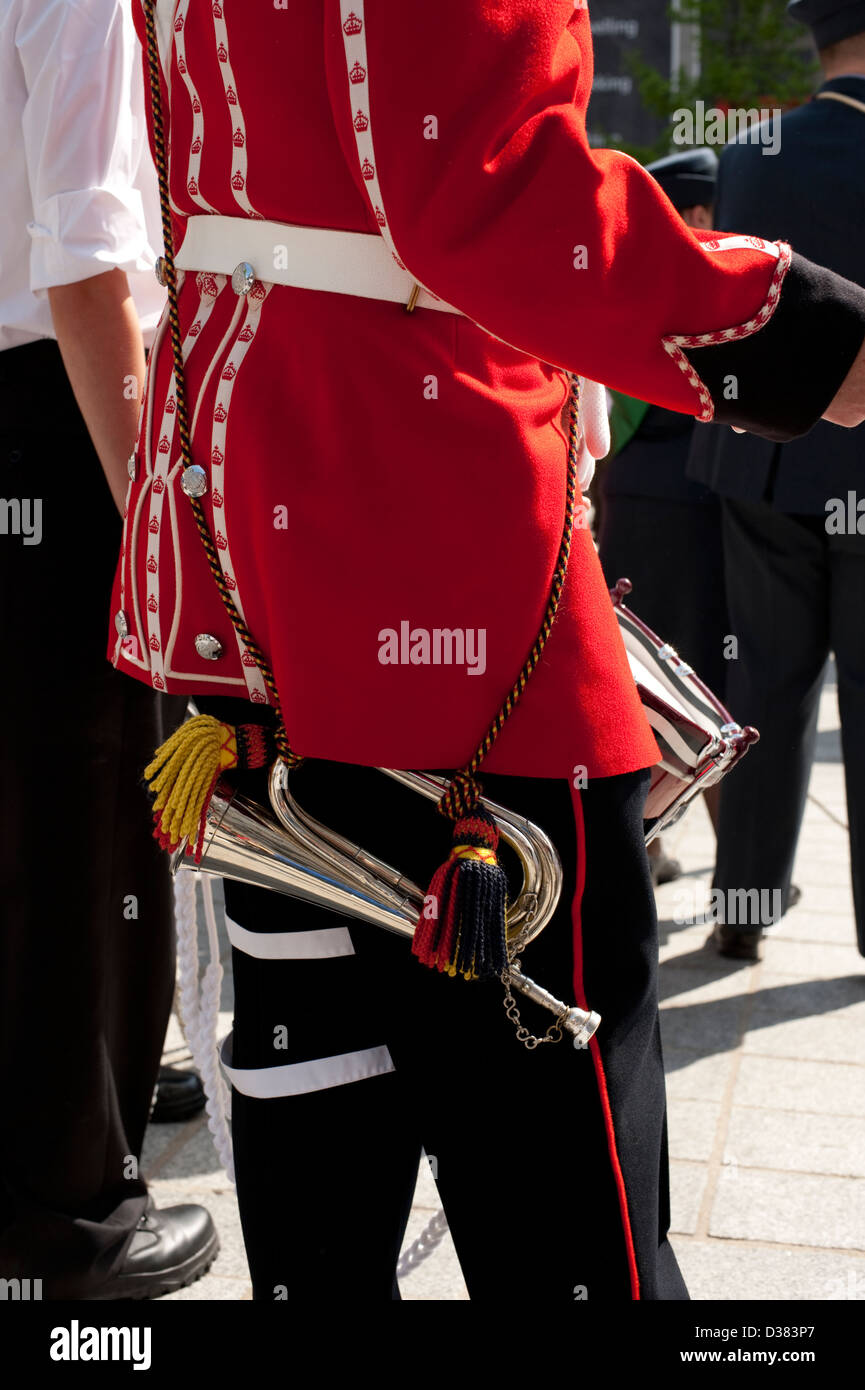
{"points": [[698, 738]]}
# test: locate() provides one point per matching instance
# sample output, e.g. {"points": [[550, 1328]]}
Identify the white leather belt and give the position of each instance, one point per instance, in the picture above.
{"points": [[309, 258], [322, 258]]}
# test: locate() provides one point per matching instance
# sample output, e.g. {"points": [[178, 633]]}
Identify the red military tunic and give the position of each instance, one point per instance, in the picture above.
{"points": [[368, 467]]}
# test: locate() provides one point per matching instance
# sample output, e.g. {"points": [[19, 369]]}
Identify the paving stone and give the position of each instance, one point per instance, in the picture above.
{"points": [[726, 1271], [196, 1158], [439, 1277], [801, 1142], [832, 1088], [692, 1125], [703, 1027], [816, 1020], [691, 1076], [815, 960], [827, 898], [683, 944], [215, 1288], [687, 1184], [701, 983], [807, 925], [789, 1208]]}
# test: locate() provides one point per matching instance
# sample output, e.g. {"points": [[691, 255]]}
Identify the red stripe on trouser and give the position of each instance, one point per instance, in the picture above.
{"points": [[576, 913]]}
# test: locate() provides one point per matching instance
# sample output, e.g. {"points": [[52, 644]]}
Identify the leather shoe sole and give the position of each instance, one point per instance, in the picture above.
{"points": [[170, 1249]]}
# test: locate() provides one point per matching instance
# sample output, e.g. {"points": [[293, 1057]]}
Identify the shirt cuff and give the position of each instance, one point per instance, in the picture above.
{"points": [[778, 381], [87, 232]]}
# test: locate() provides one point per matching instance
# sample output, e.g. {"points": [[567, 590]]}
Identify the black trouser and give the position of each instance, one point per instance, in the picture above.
{"points": [[795, 593], [87, 969], [551, 1164]]}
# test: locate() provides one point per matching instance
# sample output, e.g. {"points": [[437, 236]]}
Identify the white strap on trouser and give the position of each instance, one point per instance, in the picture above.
{"points": [[357, 263]]}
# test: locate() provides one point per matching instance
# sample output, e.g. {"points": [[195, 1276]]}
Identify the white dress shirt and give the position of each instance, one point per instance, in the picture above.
{"points": [[78, 190]]}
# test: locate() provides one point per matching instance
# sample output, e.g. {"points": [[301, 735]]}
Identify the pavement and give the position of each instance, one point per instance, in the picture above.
{"points": [[766, 1084]]}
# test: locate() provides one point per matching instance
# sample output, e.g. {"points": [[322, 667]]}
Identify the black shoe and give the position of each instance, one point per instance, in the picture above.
{"points": [[179, 1096], [736, 945], [664, 869], [170, 1249]]}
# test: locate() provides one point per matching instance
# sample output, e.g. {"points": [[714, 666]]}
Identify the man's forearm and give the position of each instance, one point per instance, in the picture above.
{"points": [[100, 340]]}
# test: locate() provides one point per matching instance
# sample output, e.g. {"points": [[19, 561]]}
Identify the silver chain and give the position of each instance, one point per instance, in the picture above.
{"points": [[529, 1040]]}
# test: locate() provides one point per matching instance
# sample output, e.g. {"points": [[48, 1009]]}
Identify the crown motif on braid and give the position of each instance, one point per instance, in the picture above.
{"points": [[246, 336], [231, 96], [196, 104], [259, 697], [181, 66], [357, 74], [152, 605], [178, 24], [158, 484], [222, 53], [380, 217], [229, 582], [192, 187], [239, 138], [221, 542], [158, 681], [170, 405], [229, 371], [153, 528], [367, 170], [217, 497], [217, 458], [217, 9], [154, 643], [196, 145], [220, 413], [361, 121], [152, 565], [248, 659], [238, 181], [352, 25], [164, 446]]}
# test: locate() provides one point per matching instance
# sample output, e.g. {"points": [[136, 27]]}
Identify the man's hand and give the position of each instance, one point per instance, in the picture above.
{"points": [[848, 406], [100, 339]]}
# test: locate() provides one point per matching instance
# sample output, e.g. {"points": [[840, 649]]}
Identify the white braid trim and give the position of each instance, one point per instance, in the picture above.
{"points": [[200, 1009]]}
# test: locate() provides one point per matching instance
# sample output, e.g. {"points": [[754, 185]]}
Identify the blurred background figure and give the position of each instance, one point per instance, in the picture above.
{"points": [[87, 942], [659, 528], [795, 581]]}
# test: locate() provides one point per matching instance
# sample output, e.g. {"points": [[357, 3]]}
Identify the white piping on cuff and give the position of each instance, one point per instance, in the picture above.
{"points": [[675, 342]]}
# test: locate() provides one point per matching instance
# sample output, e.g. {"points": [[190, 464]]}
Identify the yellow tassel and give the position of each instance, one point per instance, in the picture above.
{"points": [[183, 773]]}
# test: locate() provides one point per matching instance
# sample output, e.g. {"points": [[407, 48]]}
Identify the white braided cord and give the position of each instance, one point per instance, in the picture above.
{"points": [[200, 1005]]}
